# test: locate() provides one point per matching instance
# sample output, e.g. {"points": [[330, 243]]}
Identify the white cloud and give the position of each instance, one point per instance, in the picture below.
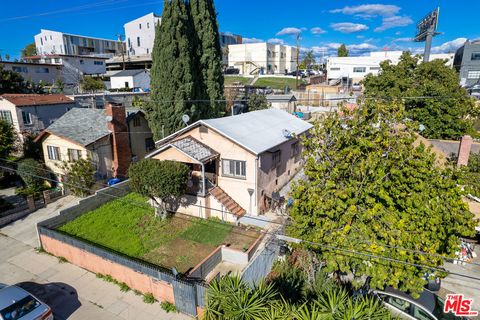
{"points": [[348, 27], [403, 39], [449, 46], [398, 33], [369, 10], [252, 40], [360, 36], [275, 41], [289, 31], [394, 22], [361, 47], [317, 30]]}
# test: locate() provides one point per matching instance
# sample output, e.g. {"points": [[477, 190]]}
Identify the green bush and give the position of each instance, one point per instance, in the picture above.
{"points": [[149, 298], [168, 307]]}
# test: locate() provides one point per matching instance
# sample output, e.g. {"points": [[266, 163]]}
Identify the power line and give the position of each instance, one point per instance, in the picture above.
{"points": [[284, 238]]}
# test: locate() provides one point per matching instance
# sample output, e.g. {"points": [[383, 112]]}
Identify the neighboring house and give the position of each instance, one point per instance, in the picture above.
{"points": [[100, 135], [227, 39], [54, 42], [236, 162], [356, 68], [31, 113], [263, 58], [130, 79], [140, 34], [35, 72], [467, 63], [140, 136], [285, 102]]}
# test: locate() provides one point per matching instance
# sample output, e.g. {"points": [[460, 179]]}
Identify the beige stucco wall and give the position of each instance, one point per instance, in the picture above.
{"points": [[101, 153], [6, 105], [138, 135], [173, 155]]}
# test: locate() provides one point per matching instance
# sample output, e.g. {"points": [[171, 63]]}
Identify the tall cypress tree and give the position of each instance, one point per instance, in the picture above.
{"points": [[174, 79], [209, 54]]}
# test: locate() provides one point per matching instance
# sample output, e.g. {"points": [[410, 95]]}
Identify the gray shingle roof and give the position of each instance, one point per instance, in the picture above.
{"points": [[194, 149], [451, 147], [128, 73], [80, 125], [281, 98]]}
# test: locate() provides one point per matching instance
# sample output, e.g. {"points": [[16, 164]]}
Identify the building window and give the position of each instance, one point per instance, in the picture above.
{"points": [[475, 55], [148, 25], [149, 144], [295, 149], [136, 122], [57, 60], [129, 43], [98, 63], [82, 62], [42, 70], [6, 115], [138, 41], [276, 158], [234, 168], [374, 68], [27, 117], [126, 84], [20, 69], [140, 26], [50, 37], [53, 153], [74, 154], [359, 69], [41, 41], [335, 69], [148, 51], [473, 75]]}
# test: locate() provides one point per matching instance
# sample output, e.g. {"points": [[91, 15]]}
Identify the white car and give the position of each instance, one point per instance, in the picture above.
{"points": [[18, 304]]}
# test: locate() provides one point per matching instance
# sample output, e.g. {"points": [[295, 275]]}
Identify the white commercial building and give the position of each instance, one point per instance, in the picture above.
{"points": [[356, 68], [54, 42], [262, 58], [130, 79], [140, 34]]}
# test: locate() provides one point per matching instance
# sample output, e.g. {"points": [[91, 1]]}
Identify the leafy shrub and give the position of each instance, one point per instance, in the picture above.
{"points": [[149, 298], [168, 307]]}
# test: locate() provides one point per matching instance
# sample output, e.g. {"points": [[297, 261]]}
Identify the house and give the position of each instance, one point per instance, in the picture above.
{"points": [[45, 73], [100, 135], [285, 102], [130, 79], [262, 58], [31, 113], [140, 34], [236, 162], [55, 42], [467, 63]]}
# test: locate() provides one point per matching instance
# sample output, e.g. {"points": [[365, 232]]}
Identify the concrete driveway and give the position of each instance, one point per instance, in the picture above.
{"points": [[72, 292]]}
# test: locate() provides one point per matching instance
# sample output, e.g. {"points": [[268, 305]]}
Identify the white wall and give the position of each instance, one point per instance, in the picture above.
{"points": [[48, 42], [143, 28], [141, 80]]}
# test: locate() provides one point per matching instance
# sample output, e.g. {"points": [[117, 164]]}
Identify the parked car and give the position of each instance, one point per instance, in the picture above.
{"points": [[301, 73], [428, 307], [356, 87], [16, 303], [137, 89], [231, 70]]}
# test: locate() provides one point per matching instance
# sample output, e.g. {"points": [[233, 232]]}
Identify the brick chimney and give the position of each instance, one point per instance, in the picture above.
{"points": [[122, 155], [464, 150]]}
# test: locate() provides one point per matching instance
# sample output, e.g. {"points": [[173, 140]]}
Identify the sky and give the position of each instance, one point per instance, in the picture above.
{"points": [[363, 26]]}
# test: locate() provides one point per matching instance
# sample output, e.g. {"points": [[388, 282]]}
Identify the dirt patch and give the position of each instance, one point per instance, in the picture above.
{"points": [[241, 238], [179, 253]]}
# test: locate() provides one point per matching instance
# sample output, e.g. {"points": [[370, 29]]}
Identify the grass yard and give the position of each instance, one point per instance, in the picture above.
{"points": [[229, 80], [124, 225], [277, 82]]}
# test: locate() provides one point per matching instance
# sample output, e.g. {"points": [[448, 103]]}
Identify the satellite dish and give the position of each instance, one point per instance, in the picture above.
{"points": [[287, 134], [186, 118], [109, 118]]}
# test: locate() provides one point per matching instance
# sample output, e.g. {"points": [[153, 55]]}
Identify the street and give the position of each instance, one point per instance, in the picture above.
{"points": [[71, 292]]}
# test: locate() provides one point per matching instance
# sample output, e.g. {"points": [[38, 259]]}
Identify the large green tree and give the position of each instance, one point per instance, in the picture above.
{"points": [[308, 60], [7, 138], [174, 81], [29, 50], [433, 96], [209, 53], [368, 186], [79, 176], [13, 82], [342, 51]]}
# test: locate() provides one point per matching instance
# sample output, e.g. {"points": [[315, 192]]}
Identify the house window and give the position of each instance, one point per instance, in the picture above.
{"points": [[374, 68], [149, 144], [57, 60], [148, 25], [475, 55], [74, 154], [20, 69], [53, 153], [98, 63], [27, 117], [129, 43], [295, 149], [82, 62], [41, 41], [140, 26], [6, 115], [359, 69], [126, 84], [42, 70], [138, 41], [148, 51], [276, 158], [234, 168], [136, 122], [335, 69], [473, 75]]}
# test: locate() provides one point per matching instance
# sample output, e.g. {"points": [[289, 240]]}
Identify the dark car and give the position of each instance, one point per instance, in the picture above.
{"points": [[232, 71], [428, 306], [18, 304]]}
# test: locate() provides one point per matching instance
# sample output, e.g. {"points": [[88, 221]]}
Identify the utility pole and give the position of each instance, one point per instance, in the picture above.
{"points": [[120, 39], [428, 44], [298, 62]]}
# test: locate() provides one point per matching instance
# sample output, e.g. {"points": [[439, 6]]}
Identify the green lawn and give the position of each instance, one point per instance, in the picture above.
{"points": [[277, 83], [229, 80], [128, 225]]}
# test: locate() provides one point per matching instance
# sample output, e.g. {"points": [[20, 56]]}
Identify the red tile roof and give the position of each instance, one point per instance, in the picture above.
{"points": [[21, 99]]}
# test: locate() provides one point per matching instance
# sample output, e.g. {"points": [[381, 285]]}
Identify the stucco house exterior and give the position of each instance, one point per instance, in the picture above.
{"points": [[236, 162], [138, 78], [103, 136], [31, 113]]}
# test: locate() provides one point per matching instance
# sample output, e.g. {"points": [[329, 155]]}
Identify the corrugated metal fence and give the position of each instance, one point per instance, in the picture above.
{"points": [[262, 264]]}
